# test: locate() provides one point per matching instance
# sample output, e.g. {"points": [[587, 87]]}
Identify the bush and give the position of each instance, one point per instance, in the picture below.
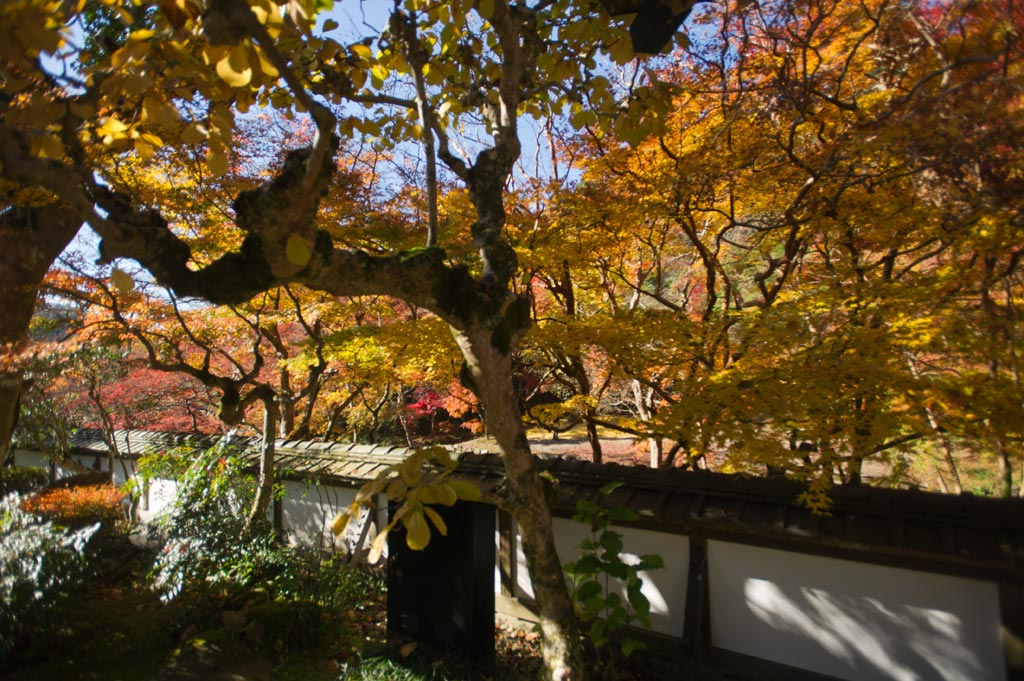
{"points": [[23, 480], [41, 567], [79, 506], [206, 543]]}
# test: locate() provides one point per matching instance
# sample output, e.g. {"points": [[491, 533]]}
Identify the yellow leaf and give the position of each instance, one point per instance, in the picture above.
{"points": [[123, 15], [379, 74], [144, 149], [445, 494], [396, 489], [111, 127], [47, 146], [217, 161], [159, 112], [465, 490], [81, 110], [214, 53], [234, 69], [370, 490], [435, 518], [194, 133], [361, 50], [298, 250], [486, 8], [417, 532], [408, 649], [268, 69], [122, 280], [377, 547], [340, 523], [444, 457], [411, 471]]}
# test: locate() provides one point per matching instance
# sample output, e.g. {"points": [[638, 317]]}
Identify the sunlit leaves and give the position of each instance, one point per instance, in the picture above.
{"points": [[414, 485], [234, 67]]}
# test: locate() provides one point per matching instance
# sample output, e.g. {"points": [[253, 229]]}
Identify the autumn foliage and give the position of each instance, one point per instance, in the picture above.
{"points": [[78, 506]]}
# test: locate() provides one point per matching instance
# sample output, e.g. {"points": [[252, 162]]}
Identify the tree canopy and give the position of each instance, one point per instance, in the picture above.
{"points": [[790, 246]]}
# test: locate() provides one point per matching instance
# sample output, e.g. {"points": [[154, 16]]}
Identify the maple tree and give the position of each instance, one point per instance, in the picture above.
{"points": [[183, 77], [826, 241]]}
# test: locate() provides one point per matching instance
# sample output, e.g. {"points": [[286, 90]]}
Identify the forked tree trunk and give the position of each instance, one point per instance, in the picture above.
{"points": [[491, 370]]}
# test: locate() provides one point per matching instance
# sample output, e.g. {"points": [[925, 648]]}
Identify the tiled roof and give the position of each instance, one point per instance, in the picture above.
{"points": [[964, 534]]}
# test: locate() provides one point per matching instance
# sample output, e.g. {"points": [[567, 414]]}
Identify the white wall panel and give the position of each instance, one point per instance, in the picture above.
{"points": [[853, 620], [665, 588]]}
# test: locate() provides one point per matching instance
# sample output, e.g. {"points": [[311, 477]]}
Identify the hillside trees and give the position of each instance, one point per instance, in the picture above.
{"points": [[180, 82]]}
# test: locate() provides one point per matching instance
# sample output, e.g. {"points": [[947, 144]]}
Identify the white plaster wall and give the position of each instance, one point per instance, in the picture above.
{"points": [[30, 459], [309, 512], [664, 588], [160, 494], [852, 620], [123, 471]]}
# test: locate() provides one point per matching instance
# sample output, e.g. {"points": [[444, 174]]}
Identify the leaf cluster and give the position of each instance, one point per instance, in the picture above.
{"points": [[603, 572]]}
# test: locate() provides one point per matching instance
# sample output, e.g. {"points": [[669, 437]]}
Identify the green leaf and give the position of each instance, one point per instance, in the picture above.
{"points": [[616, 619], [597, 633], [593, 605], [611, 487], [630, 646], [588, 590], [588, 565], [485, 9], [611, 542], [622, 515], [651, 561]]}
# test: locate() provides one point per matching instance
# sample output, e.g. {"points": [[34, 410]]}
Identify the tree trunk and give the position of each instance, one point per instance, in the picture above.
{"points": [[265, 484], [491, 370], [1003, 455], [593, 437], [643, 401], [30, 240]]}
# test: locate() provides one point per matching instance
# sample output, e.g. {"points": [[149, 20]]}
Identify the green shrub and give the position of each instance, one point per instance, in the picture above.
{"points": [[23, 479], [206, 544], [42, 565], [598, 575]]}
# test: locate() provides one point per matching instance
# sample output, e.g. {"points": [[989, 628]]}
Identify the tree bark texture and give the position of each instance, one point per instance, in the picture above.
{"points": [[491, 371], [30, 240], [265, 481]]}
